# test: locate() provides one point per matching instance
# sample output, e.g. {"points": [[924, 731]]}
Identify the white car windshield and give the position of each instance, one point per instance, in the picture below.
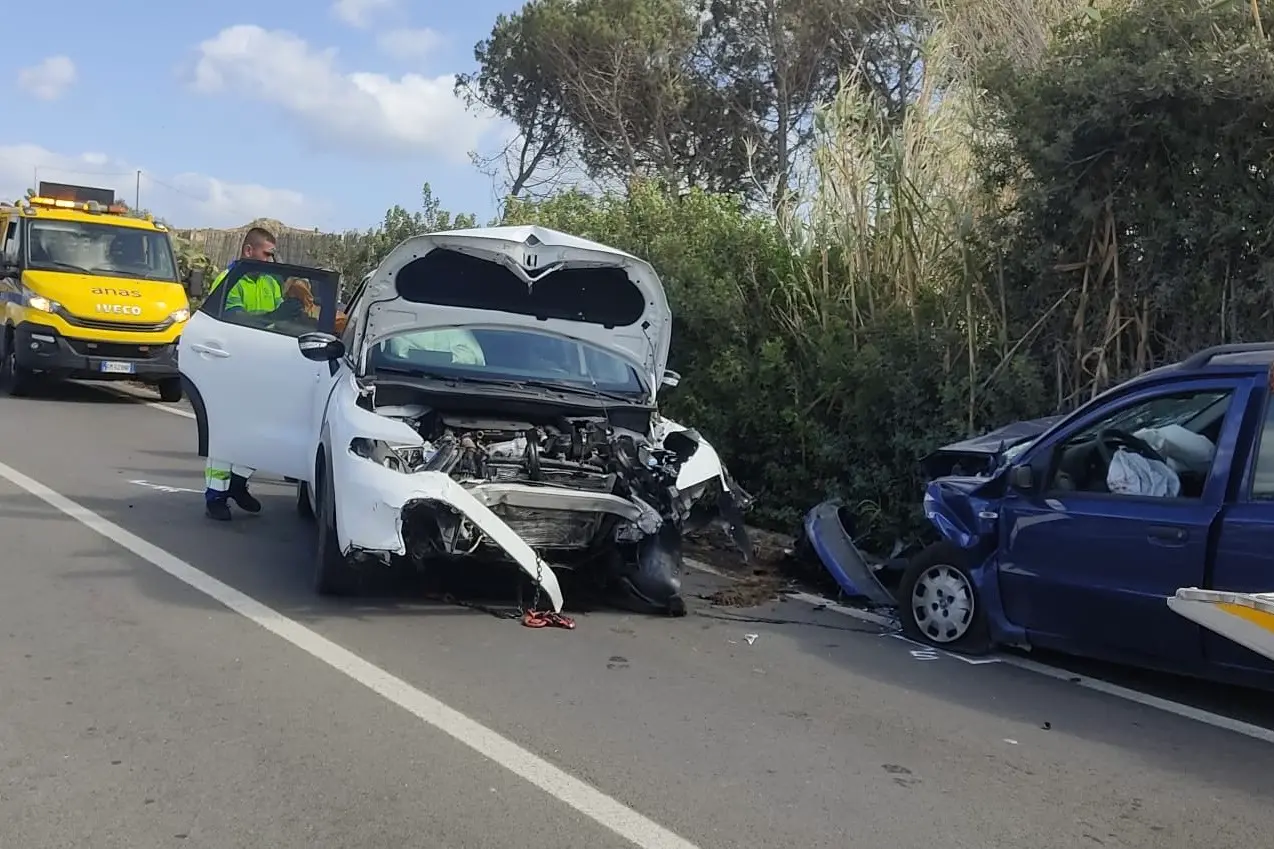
{"points": [[505, 354]]}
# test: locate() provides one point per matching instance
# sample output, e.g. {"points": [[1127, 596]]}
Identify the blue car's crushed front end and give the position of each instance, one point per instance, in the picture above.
{"points": [[961, 501], [962, 506], [982, 456], [965, 511]]}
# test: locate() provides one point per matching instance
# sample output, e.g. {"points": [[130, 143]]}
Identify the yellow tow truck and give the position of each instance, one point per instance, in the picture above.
{"points": [[87, 291]]}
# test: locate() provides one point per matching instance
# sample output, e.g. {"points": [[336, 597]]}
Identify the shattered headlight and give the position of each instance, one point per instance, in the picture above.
{"points": [[400, 458]]}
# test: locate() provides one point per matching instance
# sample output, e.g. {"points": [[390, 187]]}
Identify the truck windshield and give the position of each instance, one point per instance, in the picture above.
{"points": [[110, 250]]}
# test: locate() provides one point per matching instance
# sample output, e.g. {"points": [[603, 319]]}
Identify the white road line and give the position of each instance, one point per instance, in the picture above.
{"points": [[1176, 708], [972, 661], [584, 798], [133, 396], [853, 612], [169, 409], [700, 566], [1216, 720]]}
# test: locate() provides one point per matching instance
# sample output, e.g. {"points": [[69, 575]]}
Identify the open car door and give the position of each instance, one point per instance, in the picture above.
{"points": [[252, 389]]}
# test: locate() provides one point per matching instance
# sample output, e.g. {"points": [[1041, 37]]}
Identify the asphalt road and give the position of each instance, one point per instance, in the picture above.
{"points": [[138, 711]]}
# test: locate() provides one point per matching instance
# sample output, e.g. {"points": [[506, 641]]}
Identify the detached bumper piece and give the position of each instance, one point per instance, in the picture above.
{"points": [[1245, 618], [44, 349], [830, 541]]}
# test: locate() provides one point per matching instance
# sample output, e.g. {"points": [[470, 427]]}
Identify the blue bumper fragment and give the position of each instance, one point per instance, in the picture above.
{"points": [[832, 544]]}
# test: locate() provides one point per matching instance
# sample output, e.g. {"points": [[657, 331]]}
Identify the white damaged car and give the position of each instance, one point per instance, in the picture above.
{"points": [[492, 395]]}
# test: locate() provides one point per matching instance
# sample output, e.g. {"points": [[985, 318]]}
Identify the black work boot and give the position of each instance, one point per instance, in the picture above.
{"points": [[218, 508], [241, 497]]}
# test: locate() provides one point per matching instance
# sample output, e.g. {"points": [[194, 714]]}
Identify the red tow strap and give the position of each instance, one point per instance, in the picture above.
{"points": [[547, 619]]}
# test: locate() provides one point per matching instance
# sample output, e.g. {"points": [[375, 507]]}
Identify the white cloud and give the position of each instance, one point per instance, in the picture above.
{"points": [[360, 111], [358, 13], [184, 200], [48, 80], [409, 45]]}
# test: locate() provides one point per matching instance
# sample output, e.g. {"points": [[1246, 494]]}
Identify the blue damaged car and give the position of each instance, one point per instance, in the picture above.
{"points": [[1073, 535]]}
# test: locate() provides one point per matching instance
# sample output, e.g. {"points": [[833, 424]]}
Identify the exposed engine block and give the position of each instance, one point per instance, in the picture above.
{"points": [[586, 454]]}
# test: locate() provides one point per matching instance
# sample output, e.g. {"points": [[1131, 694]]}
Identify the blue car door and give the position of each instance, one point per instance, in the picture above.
{"points": [[1089, 570], [1244, 558]]}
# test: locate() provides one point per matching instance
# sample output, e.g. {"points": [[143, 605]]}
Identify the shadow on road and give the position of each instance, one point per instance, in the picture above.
{"points": [[270, 558], [1050, 706], [70, 392]]}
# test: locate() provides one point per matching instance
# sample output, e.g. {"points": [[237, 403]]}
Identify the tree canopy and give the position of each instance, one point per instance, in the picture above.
{"points": [[711, 94], [885, 225]]}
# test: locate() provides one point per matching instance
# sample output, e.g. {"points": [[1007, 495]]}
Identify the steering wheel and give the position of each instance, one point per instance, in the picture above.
{"points": [[1107, 437]]}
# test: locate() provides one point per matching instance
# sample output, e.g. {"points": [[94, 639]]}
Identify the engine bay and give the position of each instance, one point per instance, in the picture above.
{"points": [[583, 481], [486, 439]]}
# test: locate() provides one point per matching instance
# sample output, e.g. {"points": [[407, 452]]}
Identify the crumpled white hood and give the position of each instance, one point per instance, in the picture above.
{"points": [[644, 343]]}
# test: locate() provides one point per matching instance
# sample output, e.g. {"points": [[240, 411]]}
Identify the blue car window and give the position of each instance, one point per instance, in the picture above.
{"points": [[1263, 474], [1181, 409], [1082, 465]]}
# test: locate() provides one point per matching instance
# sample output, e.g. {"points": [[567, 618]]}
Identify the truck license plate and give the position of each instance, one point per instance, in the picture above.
{"points": [[116, 368]]}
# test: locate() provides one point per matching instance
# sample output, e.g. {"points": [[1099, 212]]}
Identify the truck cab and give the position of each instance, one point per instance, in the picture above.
{"points": [[1077, 540], [87, 291]]}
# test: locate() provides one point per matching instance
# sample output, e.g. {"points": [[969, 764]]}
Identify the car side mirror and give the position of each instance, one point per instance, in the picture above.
{"points": [[194, 284], [671, 378], [1022, 478], [320, 347]]}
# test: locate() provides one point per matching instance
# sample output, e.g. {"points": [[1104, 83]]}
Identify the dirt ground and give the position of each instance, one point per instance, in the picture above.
{"points": [[762, 579]]}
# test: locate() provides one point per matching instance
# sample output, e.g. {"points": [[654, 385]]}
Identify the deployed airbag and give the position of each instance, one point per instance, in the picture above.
{"points": [[1183, 449], [1133, 474]]}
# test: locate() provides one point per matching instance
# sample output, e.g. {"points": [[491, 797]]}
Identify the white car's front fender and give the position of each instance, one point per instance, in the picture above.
{"points": [[370, 498], [704, 465]]}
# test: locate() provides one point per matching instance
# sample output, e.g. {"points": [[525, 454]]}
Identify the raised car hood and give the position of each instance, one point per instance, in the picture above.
{"points": [[525, 277], [983, 452]]}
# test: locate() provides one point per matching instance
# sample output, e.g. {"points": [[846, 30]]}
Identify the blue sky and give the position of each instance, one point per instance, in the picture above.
{"points": [[321, 113]]}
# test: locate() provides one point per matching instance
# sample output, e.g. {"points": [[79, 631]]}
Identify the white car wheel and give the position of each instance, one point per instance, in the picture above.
{"points": [[942, 603]]}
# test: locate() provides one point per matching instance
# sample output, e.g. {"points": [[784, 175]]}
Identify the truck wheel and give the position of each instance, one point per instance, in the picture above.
{"points": [[15, 381], [170, 390], [938, 603], [333, 574]]}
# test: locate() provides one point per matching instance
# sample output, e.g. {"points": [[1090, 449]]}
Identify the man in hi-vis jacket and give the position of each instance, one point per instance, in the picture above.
{"points": [[252, 293]]}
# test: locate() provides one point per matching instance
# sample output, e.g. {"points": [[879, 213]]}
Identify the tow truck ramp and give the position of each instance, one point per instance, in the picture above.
{"points": [[1245, 618]]}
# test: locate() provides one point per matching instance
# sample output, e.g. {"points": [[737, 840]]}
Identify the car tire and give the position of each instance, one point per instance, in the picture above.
{"points": [[333, 574], [15, 381], [938, 602], [304, 508], [170, 391]]}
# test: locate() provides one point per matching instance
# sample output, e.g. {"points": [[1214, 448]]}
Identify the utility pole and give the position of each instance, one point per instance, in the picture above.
{"points": [[137, 196]]}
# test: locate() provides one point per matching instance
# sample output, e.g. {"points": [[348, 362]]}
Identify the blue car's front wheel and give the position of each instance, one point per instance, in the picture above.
{"points": [[938, 601]]}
